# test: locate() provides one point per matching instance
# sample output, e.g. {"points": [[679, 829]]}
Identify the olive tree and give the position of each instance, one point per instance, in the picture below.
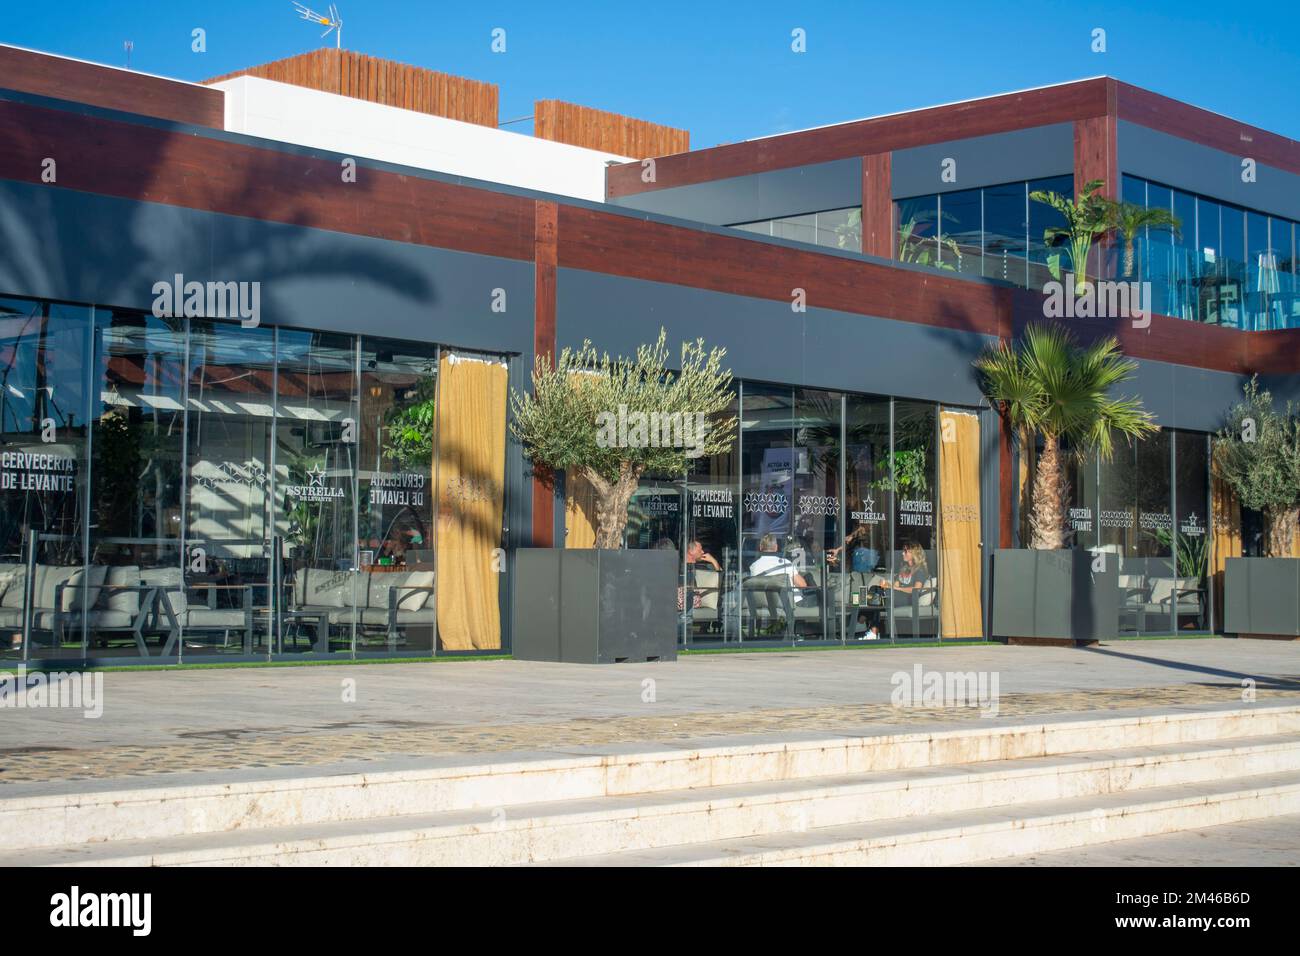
{"points": [[611, 420], [1258, 454]]}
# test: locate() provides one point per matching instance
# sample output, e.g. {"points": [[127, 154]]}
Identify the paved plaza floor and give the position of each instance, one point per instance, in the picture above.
{"points": [[157, 722]]}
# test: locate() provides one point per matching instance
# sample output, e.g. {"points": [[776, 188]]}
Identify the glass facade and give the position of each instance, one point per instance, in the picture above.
{"points": [[175, 489], [835, 228], [995, 231], [825, 522], [1147, 507], [1226, 265]]}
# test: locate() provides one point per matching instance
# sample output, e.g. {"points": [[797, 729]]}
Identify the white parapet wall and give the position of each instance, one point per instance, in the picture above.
{"points": [[364, 130]]}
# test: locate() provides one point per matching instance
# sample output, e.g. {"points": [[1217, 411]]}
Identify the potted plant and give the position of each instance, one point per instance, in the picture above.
{"points": [[1086, 219], [1130, 219], [1051, 390], [1258, 454], [609, 421]]}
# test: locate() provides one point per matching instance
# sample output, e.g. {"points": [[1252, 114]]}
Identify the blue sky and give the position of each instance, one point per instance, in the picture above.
{"points": [[726, 71]]}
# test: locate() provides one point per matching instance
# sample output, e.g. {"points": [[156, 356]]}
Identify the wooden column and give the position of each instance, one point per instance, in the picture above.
{"points": [[1096, 156], [544, 262], [877, 205]]}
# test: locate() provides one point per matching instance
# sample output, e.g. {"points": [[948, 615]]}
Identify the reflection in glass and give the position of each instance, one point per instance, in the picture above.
{"points": [[229, 476], [913, 481], [315, 489], [395, 520], [43, 415], [139, 478]]}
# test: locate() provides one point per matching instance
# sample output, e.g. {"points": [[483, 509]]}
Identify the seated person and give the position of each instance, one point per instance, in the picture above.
{"points": [[914, 575], [769, 564], [695, 554]]}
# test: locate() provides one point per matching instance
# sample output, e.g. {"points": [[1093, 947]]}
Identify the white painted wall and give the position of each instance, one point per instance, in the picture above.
{"points": [[363, 130]]}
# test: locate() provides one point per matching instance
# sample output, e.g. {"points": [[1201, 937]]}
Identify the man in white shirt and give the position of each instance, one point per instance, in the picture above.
{"points": [[769, 563]]}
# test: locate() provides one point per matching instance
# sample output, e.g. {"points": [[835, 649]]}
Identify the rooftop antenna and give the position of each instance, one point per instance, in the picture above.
{"points": [[331, 21], [128, 46]]}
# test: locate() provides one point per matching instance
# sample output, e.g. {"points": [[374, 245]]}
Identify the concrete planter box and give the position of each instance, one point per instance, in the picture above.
{"points": [[593, 606], [1261, 597], [1053, 597]]}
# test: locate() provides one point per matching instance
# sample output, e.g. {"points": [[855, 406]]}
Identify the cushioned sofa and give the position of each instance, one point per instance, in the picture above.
{"points": [[380, 603]]}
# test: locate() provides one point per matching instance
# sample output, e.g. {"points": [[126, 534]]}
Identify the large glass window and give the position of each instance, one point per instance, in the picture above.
{"points": [[44, 356], [1189, 600], [865, 554], [136, 528], [834, 228], [396, 522], [229, 550], [913, 482], [316, 488], [961, 223], [1006, 232], [817, 462], [711, 598], [1043, 217], [917, 231]]}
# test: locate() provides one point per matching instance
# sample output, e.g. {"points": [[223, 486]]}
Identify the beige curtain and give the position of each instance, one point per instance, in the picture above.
{"points": [[471, 469], [961, 611], [1225, 541], [579, 512]]}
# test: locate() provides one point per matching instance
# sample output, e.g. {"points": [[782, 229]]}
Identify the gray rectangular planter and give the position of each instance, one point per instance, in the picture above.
{"points": [[1054, 597], [1261, 597], [591, 606]]}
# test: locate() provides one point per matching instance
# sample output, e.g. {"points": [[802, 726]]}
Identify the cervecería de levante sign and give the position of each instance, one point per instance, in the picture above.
{"points": [[37, 471]]}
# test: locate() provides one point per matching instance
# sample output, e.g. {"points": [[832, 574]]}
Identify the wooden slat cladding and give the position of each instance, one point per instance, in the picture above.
{"points": [[1276, 352], [608, 132], [138, 162], [627, 246], [1096, 154], [110, 88], [1209, 129], [383, 81], [996, 114], [878, 205]]}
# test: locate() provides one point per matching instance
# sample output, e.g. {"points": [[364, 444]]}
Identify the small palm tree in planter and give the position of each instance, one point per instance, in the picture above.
{"points": [[1051, 389], [1257, 453], [1087, 218], [1130, 219], [610, 421]]}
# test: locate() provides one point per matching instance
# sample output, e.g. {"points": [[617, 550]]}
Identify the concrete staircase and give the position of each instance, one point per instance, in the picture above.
{"points": [[980, 792]]}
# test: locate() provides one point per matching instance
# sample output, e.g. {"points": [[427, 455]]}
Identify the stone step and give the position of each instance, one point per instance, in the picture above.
{"points": [[63, 813], [990, 834], [605, 825]]}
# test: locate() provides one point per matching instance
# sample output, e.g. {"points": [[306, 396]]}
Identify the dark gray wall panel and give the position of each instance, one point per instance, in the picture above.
{"points": [[1184, 397], [766, 341], [1202, 169], [79, 247], [985, 160], [1284, 388], [770, 195]]}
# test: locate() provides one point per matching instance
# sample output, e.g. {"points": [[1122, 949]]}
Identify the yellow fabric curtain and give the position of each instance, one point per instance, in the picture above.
{"points": [[579, 513], [961, 610], [471, 468], [1225, 541]]}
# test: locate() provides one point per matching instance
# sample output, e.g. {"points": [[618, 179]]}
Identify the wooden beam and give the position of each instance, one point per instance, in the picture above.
{"points": [[878, 205], [545, 236]]}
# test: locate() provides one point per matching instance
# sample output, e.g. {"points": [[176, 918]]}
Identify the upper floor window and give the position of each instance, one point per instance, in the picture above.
{"points": [[834, 228]]}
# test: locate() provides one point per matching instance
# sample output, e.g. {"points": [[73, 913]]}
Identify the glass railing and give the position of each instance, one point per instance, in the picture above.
{"points": [[1184, 283]]}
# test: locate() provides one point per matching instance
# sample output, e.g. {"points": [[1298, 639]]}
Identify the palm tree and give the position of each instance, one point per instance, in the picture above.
{"points": [[1131, 218], [1085, 220], [1051, 387]]}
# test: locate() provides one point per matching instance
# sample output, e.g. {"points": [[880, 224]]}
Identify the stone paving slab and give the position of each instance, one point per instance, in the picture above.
{"points": [[1271, 842], [218, 720]]}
